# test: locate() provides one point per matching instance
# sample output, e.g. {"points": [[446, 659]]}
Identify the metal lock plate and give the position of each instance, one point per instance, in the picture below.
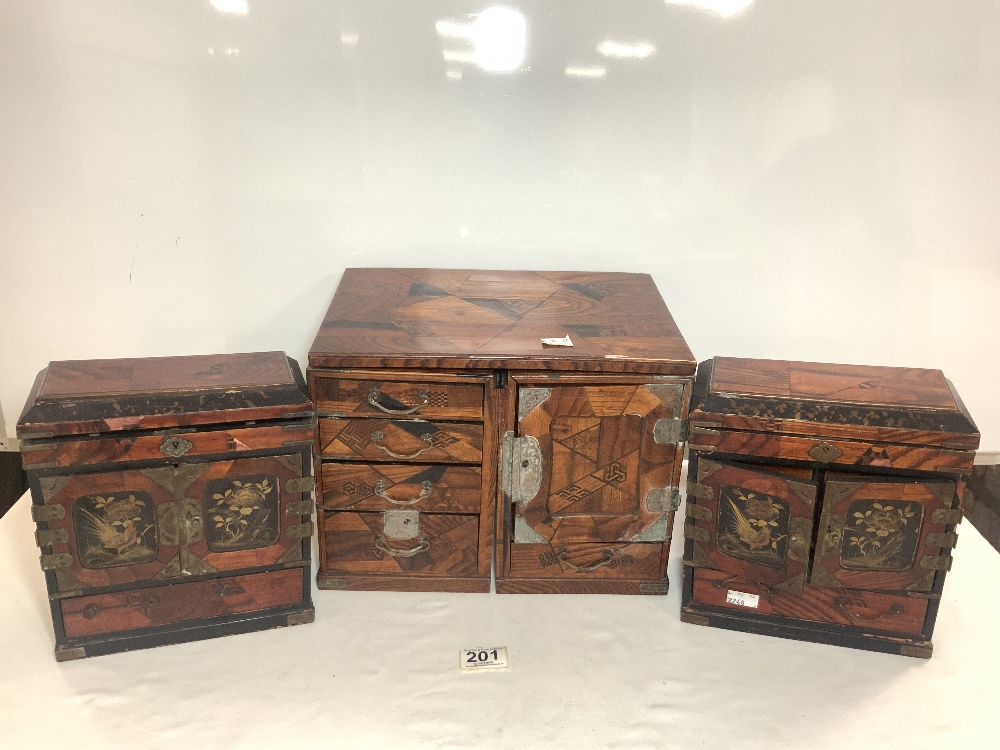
{"points": [[825, 453], [522, 463], [401, 524], [174, 446]]}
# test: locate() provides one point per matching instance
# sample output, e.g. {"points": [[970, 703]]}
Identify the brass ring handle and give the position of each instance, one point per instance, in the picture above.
{"points": [[606, 559], [423, 545], [427, 437], [374, 393], [426, 488]]}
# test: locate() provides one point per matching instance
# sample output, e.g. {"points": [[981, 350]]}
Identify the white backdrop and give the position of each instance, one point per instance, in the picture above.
{"points": [[809, 180]]}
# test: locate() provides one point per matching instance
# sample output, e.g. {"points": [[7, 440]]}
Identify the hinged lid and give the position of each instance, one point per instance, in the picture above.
{"points": [[404, 317], [905, 406], [117, 395]]}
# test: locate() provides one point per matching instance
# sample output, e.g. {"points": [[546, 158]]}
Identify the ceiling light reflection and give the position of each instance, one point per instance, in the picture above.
{"points": [[453, 29], [234, 7], [499, 36], [722, 8], [454, 75], [349, 38], [639, 50], [593, 71]]}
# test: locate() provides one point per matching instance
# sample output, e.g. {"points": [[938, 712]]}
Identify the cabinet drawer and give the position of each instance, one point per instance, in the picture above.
{"points": [[455, 489], [582, 561], [400, 440], [398, 542], [360, 398], [166, 605], [862, 609]]}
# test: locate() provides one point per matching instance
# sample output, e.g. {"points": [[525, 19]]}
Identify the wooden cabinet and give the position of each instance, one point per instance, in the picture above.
{"points": [[172, 498], [823, 501], [452, 435]]}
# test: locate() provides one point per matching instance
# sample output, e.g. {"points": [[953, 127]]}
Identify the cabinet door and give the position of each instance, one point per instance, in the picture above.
{"points": [[596, 463], [105, 529], [753, 524], [885, 535], [236, 514]]}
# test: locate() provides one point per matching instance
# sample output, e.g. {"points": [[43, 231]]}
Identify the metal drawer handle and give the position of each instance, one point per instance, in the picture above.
{"points": [[375, 393], [426, 488], [606, 559], [423, 545], [378, 437]]}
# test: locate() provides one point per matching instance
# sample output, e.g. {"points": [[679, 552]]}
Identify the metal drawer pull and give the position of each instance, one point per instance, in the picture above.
{"points": [[423, 545], [427, 437], [606, 559], [426, 488], [375, 393]]}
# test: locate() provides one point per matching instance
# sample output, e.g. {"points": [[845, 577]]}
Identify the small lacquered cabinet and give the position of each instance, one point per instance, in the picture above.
{"points": [[172, 498], [823, 501], [453, 438]]}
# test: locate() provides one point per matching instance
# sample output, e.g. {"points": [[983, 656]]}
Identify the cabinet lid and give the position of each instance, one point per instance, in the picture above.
{"points": [[406, 317], [898, 405], [117, 395]]}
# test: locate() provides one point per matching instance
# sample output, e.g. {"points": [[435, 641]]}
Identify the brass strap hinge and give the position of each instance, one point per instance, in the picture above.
{"points": [[936, 562], [300, 484], [55, 562], [696, 532], [44, 513], [700, 491], [698, 512], [47, 538], [948, 516], [670, 431], [944, 540], [299, 530], [300, 508]]}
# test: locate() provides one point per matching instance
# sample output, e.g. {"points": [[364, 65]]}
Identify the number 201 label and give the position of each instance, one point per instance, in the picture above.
{"points": [[483, 659]]}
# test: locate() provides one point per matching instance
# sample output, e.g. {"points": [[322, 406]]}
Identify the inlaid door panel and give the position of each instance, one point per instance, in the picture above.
{"points": [[753, 524], [596, 463], [235, 514], [885, 535], [104, 529], [401, 440]]}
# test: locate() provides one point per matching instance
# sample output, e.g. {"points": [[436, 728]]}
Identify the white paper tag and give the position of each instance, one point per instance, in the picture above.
{"points": [[483, 659], [564, 341], [743, 600]]}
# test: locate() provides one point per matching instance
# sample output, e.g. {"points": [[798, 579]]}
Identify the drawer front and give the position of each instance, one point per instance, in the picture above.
{"points": [[180, 602], [586, 561], [184, 446], [400, 542], [401, 440], [454, 489], [362, 398], [862, 609]]}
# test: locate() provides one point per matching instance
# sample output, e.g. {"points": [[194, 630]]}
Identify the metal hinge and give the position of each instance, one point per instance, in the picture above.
{"points": [[299, 530], [944, 540], [663, 500], [44, 513], [670, 431], [300, 508], [46, 538], [499, 379], [936, 562], [55, 562], [698, 512], [300, 484], [696, 532], [700, 491], [947, 516]]}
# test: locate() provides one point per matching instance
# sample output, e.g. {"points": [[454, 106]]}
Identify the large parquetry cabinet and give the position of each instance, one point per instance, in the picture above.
{"points": [[823, 500], [451, 435], [172, 497]]}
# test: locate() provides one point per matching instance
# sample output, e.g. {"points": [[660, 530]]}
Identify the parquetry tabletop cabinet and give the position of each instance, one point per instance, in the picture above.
{"points": [[823, 500], [450, 432], [172, 497]]}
